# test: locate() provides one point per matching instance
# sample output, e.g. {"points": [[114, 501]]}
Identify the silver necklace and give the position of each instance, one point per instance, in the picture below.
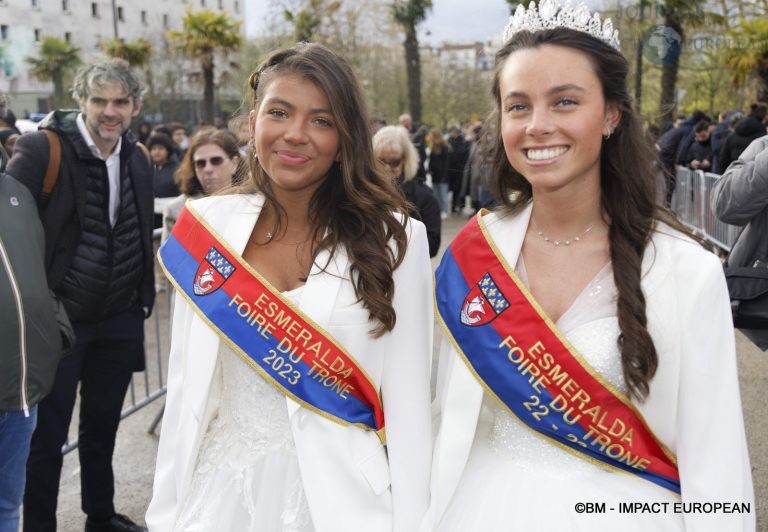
{"points": [[557, 243]]}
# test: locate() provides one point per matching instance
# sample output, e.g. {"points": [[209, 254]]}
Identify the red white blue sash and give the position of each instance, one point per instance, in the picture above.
{"points": [[517, 354], [285, 346]]}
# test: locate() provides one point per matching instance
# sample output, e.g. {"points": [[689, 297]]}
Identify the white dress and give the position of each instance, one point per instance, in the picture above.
{"points": [[247, 475], [516, 480]]}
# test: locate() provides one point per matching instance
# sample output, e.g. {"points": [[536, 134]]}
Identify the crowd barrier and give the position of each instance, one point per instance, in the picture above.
{"points": [[150, 384], [691, 202]]}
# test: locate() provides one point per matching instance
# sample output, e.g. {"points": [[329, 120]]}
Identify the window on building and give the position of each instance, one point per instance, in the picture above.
{"points": [[143, 17], [236, 7], [165, 20], [3, 32], [120, 15], [202, 3], [94, 10], [221, 4], [65, 6], [34, 3], [38, 34], [68, 36]]}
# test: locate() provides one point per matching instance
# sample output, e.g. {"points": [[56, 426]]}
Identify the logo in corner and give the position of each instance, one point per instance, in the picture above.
{"points": [[214, 269], [483, 303]]}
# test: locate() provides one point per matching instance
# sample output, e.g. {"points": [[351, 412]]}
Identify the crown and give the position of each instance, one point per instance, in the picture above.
{"points": [[550, 14]]}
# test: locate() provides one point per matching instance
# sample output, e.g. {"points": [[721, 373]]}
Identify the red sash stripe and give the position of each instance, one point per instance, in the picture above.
{"points": [[284, 345], [520, 357]]}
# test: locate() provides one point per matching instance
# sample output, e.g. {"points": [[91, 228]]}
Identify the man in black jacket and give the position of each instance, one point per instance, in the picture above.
{"points": [[98, 256], [673, 143], [749, 128], [31, 334]]}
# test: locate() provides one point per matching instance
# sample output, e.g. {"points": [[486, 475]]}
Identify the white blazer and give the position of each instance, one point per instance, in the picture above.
{"points": [[693, 407], [352, 483]]}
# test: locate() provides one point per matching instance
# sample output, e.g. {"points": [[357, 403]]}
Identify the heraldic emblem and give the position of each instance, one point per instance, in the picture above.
{"points": [[214, 269], [483, 303]]}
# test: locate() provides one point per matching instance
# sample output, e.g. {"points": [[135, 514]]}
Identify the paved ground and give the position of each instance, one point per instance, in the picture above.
{"points": [[135, 451]]}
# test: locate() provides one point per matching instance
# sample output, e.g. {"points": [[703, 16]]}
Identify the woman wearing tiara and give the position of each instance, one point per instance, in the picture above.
{"points": [[588, 380]]}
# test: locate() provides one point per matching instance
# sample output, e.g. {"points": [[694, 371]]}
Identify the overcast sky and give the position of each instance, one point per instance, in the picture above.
{"points": [[449, 20]]}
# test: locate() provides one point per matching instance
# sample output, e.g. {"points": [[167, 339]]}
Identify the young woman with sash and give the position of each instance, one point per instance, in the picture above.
{"points": [[588, 379], [298, 388]]}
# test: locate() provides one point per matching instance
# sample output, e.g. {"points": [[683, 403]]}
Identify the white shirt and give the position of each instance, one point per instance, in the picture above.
{"points": [[113, 167]]}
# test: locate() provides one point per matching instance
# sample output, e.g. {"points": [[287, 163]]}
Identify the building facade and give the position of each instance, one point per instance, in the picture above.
{"points": [[87, 24]]}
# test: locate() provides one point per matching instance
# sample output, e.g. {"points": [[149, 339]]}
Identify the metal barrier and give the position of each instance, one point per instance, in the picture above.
{"points": [[147, 385], [691, 202]]}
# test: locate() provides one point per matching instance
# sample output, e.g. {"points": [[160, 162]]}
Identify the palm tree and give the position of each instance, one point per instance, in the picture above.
{"points": [[748, 61], [57, 58], [307, 21], [137, 53], [513, 5], [205, 33], [679, 15], [409, 14]]}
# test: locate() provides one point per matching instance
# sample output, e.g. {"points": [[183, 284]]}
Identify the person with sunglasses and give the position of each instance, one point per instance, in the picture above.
{"points": [[299, 372], [393, 148], [211, 163]]}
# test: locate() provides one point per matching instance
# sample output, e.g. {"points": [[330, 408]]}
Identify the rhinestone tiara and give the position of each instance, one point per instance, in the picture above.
{"points": [[552, 14]]}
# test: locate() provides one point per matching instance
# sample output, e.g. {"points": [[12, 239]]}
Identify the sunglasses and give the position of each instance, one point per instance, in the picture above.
{"points": [[392, 163], [215, 161]]}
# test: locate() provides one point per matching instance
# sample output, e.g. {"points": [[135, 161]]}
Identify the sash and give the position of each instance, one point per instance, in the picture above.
{"points": [[281, 343], [520, 358]]}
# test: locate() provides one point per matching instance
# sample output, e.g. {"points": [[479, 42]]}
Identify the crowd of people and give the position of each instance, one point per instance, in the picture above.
{"points": [[586, 346], [699, 143]]}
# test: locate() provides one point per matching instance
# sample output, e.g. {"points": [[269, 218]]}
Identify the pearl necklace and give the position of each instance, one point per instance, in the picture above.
{"points": [[557, 243]]}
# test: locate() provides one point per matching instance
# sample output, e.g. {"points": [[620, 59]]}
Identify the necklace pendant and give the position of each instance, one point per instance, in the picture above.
{"points": [[269, 235], [567, 242]]}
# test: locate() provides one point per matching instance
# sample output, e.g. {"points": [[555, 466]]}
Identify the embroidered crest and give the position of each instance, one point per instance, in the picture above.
{"points": [[483, 303], [212, 272]]}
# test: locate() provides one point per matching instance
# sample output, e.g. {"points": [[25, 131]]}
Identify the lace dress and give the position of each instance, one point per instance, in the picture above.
{"points": [[516, 480], [247, 474]]}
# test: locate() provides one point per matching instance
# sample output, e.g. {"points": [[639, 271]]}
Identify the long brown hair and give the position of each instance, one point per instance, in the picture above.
{"points": [[628, 186], [361, 209]]}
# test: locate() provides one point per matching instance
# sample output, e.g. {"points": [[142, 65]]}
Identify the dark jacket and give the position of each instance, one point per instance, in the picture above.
{"points": [[438, 166], [424, 208], [165, 185], [746, 130], [456, 161], [66, 215], [699, 151], [670, 142], [34, 327], [417, 138]]}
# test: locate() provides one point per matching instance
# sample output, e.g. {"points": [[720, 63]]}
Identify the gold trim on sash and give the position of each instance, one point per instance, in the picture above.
{"points": [[619, 395], [179, 290]]}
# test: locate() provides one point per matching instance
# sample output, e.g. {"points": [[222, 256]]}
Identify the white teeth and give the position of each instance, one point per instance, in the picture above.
{"points": [[547, 153]]}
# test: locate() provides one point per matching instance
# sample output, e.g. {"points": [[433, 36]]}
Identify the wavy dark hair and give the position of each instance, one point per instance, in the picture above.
{"points": [[360, 207], [628, 185], [185, 175]]}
